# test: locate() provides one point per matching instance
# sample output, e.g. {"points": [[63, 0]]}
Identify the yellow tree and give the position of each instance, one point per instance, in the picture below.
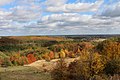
{"points": [[94, 62], [66, 52], [62, 54], [110, 49]]}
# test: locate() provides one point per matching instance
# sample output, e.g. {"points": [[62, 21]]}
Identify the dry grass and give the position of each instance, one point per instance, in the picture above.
{"points": [[23, 73]]}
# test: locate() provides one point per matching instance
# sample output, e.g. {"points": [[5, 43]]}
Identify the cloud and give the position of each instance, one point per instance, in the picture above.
{"points": [[4, 2], [24, 14], [25, 11], [55, 2], [112, 10], [62, 6], [30, 17], [76, 23], [14, 19], [4, 23]]}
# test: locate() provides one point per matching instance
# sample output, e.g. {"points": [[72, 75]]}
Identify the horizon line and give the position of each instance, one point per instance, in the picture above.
{"points": [[62, 35]]}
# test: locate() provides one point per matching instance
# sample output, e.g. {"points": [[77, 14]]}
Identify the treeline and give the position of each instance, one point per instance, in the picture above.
{"points": [[11, 44], [29, 54]]}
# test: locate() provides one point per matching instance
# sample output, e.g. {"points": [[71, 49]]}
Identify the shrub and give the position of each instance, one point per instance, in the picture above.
{"points": [[110, 49], [31, 58], [51, 55], [60, 71], [112, 67], [6, 62], [56, 55], [62, 54]]}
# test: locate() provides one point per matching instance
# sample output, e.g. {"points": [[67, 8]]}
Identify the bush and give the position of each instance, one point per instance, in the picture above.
{"points": [[74, 71], [112, 67], [6, 63], [60, 72], [110, 49]]}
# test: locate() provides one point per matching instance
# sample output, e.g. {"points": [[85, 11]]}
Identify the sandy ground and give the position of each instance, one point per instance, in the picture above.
{"points": [[43, 65]]}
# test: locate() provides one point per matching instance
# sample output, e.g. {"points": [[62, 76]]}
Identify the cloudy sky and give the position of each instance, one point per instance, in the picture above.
{"points": [[59, 17]]}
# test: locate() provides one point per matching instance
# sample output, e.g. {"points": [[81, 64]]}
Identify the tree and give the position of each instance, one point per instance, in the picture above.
{"points": [[59, 72], [6, 62], [56, 55], [31, 58], [46, 57], [88, 65], [94, 60], [66, 52], [62, 54], [51, 55], [112, 67], [110, 49]]}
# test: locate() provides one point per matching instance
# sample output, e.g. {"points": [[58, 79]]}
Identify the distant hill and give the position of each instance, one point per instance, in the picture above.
{"points": [[50, 38]]}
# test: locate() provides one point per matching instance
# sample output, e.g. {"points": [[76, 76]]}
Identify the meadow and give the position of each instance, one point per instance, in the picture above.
{"points": [[23, 73]]}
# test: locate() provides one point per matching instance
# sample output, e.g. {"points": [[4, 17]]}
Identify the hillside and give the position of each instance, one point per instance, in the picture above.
{"points": [[49, 38]]}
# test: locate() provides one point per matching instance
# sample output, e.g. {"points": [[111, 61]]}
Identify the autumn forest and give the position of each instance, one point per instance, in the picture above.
{"points": [[98, 57]]}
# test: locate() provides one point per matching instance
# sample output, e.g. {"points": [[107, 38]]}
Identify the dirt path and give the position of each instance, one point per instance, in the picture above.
{"points": [[44, 65]]}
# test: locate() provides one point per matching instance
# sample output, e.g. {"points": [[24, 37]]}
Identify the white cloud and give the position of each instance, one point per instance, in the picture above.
{"points": [[24, 14], [25, 11], [3, 2], [27, 18], [4, 22], [77, 23], [14, 19], [61, 6], [55, 2]]}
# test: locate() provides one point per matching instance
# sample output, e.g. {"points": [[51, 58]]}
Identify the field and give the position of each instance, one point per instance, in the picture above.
{"points": [[23, 73]]}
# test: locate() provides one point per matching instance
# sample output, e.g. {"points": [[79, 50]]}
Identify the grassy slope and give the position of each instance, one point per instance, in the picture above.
{"points": [[23, 73]]}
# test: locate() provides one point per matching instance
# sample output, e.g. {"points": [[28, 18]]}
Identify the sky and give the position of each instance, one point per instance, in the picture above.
{"points": [[59, 17]]}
